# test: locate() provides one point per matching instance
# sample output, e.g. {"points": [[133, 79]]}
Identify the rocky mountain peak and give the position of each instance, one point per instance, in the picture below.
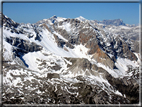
{"points": [[81, 18], [7, 22], [54, 17]]}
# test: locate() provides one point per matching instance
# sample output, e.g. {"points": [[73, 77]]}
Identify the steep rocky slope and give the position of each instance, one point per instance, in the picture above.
{"points": [[68, 61]]}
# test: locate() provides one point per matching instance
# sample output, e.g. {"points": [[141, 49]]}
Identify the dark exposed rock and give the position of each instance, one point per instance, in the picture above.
{"points": [[53, 75], [63, 33], [46, 27], [103, 58], [127, 53], [61, 42], [82, 64], [73, 41], [7, 22], [56, 67], [93, 45], [83, 38], [30, 35], [98, 54], [134, 46], [23, 45], [69, 45], [79, 64], [38, 36], [126, 86]]}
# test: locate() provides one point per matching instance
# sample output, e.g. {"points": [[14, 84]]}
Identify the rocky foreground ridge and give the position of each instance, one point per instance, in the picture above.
{"points": [[69, 61]]}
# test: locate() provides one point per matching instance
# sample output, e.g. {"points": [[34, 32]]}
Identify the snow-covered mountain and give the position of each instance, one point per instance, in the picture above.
{"points": [[76, 61]]}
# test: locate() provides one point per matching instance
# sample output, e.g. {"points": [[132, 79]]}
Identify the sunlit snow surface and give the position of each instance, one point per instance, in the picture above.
{"points": [[81, 18]]}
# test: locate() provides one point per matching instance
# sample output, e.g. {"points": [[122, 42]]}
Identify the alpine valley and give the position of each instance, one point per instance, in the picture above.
{"points": [[70, 61]]}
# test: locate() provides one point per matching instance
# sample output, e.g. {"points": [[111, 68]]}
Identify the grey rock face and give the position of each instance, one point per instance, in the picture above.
{"points": [[53, 75], [129, 87], [23, 45], [61, 42], [73, 41], [63, 33], [134, 46], [79, 65], [127, 53], [8, 22], [38, 36], [69, 45]]}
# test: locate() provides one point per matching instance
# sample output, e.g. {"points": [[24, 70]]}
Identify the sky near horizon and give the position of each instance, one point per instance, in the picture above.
{"points": [[33, 12]]}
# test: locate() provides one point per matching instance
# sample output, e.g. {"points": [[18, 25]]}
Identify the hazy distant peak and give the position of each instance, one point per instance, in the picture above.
{"points": [[115, 22]]}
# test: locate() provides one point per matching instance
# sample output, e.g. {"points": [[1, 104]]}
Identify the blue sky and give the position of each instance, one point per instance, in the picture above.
{"points": [[33, 12]]}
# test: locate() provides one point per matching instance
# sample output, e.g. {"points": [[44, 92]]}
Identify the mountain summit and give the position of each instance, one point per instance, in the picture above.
{"points": [[81, 18], [69, 61]]}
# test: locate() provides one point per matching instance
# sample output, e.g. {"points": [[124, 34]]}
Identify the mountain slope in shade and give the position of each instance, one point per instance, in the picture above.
{"points": [[71, 61]]}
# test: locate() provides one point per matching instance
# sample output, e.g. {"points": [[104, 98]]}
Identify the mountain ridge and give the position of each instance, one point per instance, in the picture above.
{"points": [[116, 22], [64, 51]]}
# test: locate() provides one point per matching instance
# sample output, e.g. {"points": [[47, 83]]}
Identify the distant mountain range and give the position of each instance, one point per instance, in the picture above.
{"points": [[70, 61], [115, 22]]}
